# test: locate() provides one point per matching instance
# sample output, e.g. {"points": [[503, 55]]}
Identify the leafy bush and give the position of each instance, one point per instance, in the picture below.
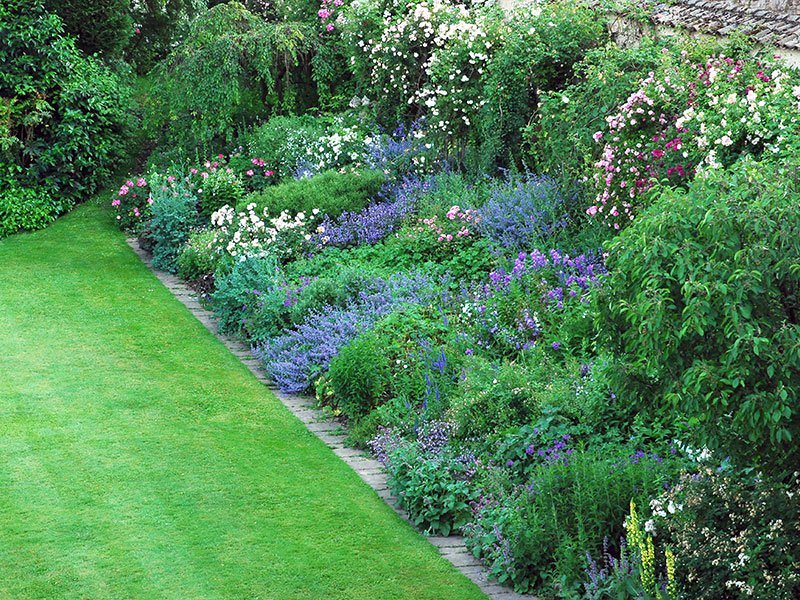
{"points": [[237, 66], [174, 218], [734, 536], [359, 374], [331, 193], [63, 114], [222, 187], [533, 54], [25, 208], [702, 311], [198, 257], [418, 343], [336, 289], [418, 369], [451, 188], [100, 26], [560, 138], [250, 299], [494, 398]]}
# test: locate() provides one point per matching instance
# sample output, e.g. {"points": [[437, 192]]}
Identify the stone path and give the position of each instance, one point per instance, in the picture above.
{"points": [[330, 432]]}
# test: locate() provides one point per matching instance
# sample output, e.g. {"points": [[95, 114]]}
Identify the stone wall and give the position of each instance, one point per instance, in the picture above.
{"points": [[788, 7]]}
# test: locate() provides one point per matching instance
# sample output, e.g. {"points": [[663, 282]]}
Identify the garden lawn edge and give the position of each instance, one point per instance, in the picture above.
{"points": [[332, 434]]}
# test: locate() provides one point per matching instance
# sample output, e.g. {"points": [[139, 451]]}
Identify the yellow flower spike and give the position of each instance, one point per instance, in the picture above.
{"points": [[672, 585], [648, 574]]}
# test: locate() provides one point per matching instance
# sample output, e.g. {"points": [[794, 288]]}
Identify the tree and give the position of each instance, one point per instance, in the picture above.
{"points": [[100, 27]]}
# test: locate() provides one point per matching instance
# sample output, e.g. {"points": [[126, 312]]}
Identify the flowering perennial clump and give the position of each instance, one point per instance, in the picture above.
{"points": [[245, 234], [508, 312]]}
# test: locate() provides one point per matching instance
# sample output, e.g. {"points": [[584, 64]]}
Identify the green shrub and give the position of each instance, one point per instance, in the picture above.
{"points": [[702, 311], [220, 188], [236, 65], [62, 114], [411, 339], [249, 299], [493, 398], [174, 218], [335, 289], [417, 245], [560, 138], [359, 376], [330, 192], [533, 56], [26, 208]]}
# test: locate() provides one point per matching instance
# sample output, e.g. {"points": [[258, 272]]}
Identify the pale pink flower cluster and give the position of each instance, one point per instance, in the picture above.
{"points": [[687, 118]]}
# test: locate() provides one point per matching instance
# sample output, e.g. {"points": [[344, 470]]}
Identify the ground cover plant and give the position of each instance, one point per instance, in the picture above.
{"points": [[550, 282]]}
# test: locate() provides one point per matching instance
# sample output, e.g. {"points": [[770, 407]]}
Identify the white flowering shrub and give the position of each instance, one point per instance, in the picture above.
{"points": [[421, 58], [343, 144], [734, 535]]}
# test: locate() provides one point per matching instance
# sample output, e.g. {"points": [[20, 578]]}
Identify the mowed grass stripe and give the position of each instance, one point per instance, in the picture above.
{"points": [[140, 459]]}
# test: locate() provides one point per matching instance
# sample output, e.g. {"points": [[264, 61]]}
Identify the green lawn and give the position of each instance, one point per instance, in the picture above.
{"points": [[140, 459]]}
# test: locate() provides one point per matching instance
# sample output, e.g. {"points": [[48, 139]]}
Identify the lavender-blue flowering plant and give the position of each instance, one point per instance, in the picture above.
{"points": [[299, 355], [533, 300], [375, 222], [524, 211]]}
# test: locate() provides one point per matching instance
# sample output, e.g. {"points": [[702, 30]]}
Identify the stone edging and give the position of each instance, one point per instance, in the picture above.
{"points": [[370, 470]]}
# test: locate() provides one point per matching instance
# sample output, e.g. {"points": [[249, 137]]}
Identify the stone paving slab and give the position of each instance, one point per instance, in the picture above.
{"points": [[332, 434]]}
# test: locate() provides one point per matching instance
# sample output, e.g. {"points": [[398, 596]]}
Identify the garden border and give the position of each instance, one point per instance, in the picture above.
{"points": [[370, 470]]}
